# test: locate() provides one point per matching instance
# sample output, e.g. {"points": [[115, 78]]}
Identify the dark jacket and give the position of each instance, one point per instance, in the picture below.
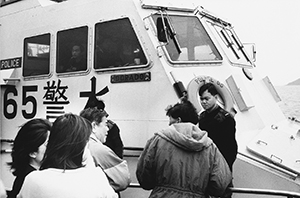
{"points": [[19, 182], [181, 161], [113, 139], [220, 126]]}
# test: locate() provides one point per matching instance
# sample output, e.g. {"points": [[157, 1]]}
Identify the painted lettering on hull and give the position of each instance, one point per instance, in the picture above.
{"points": [[55, 99]]}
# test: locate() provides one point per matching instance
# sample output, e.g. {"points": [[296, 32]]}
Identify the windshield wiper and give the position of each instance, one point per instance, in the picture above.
{"points": [[229, 44], [240, 46], [165, 27]]}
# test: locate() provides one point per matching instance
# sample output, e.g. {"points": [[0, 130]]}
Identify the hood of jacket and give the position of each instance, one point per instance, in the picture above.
{"points": [[187, 136]]}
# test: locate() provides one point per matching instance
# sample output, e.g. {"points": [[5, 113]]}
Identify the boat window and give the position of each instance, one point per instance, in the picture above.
{"points": [[229, 41], [7, 2], [117, 46], [72, 50], [193, 40], [36, 55]]}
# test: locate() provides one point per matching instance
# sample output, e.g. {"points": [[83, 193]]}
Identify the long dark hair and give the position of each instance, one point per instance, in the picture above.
{"points": [[68, 138], [30, 137]]}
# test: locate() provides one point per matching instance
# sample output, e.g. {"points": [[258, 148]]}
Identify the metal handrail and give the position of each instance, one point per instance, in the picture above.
{"points": [[287, 194], [284, 170], [133, 148], [253, 191], [133, 151], [7, 140]]}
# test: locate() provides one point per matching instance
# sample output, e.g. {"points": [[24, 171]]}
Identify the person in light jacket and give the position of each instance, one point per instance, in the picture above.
{"points": [[115, 168], [181, 160], [113, 138]]}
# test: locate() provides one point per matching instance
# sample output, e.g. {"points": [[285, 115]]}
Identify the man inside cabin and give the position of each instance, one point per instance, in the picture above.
{"points": [[107, 53], [78, 61], [219, 124]]}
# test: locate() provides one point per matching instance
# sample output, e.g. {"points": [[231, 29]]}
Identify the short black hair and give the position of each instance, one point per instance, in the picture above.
{"points": [[93, 114], [209, 87], [185, 110], [94, 102]]}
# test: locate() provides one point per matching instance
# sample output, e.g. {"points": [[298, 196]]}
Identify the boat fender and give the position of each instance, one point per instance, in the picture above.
{"points": [[193, 93]]}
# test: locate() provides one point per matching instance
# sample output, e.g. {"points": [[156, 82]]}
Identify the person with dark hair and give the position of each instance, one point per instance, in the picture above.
{"points": [[107, 53], [181, 161], [219, 124], [115, 168], [78, 61], [183, 112], [113, 139], [62, 173], [28, 151]]}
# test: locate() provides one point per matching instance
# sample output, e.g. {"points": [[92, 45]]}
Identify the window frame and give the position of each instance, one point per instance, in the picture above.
{"points": [[137, 38], [4, 2], [31, 60], [189, 62], [62, 37], [230, 44]]}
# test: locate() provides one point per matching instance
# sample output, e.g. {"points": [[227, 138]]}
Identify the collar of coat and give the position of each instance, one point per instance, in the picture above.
{"points": [[187, 136]]}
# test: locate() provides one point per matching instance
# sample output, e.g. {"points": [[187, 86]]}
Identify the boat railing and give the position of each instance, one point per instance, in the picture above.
{"points": [[268, 192], [251, 191], [135, 152]]}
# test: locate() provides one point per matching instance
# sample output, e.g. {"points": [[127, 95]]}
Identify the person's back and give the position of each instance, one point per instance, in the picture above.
{"points": [[63, 173], [176, 164], [75, 183], [181, 161]]}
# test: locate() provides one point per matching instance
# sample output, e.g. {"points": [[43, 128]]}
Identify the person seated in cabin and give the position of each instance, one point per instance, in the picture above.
{"points": [[107, 54], [181, 160], [131, 53], [219, 124], [115, 168], [127, 54], [28, 151], [62, 173], [78, 61]]}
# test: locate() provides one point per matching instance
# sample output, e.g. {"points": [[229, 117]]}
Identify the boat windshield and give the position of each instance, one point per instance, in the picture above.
{"points": [[194, 44], [233, 47]]}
